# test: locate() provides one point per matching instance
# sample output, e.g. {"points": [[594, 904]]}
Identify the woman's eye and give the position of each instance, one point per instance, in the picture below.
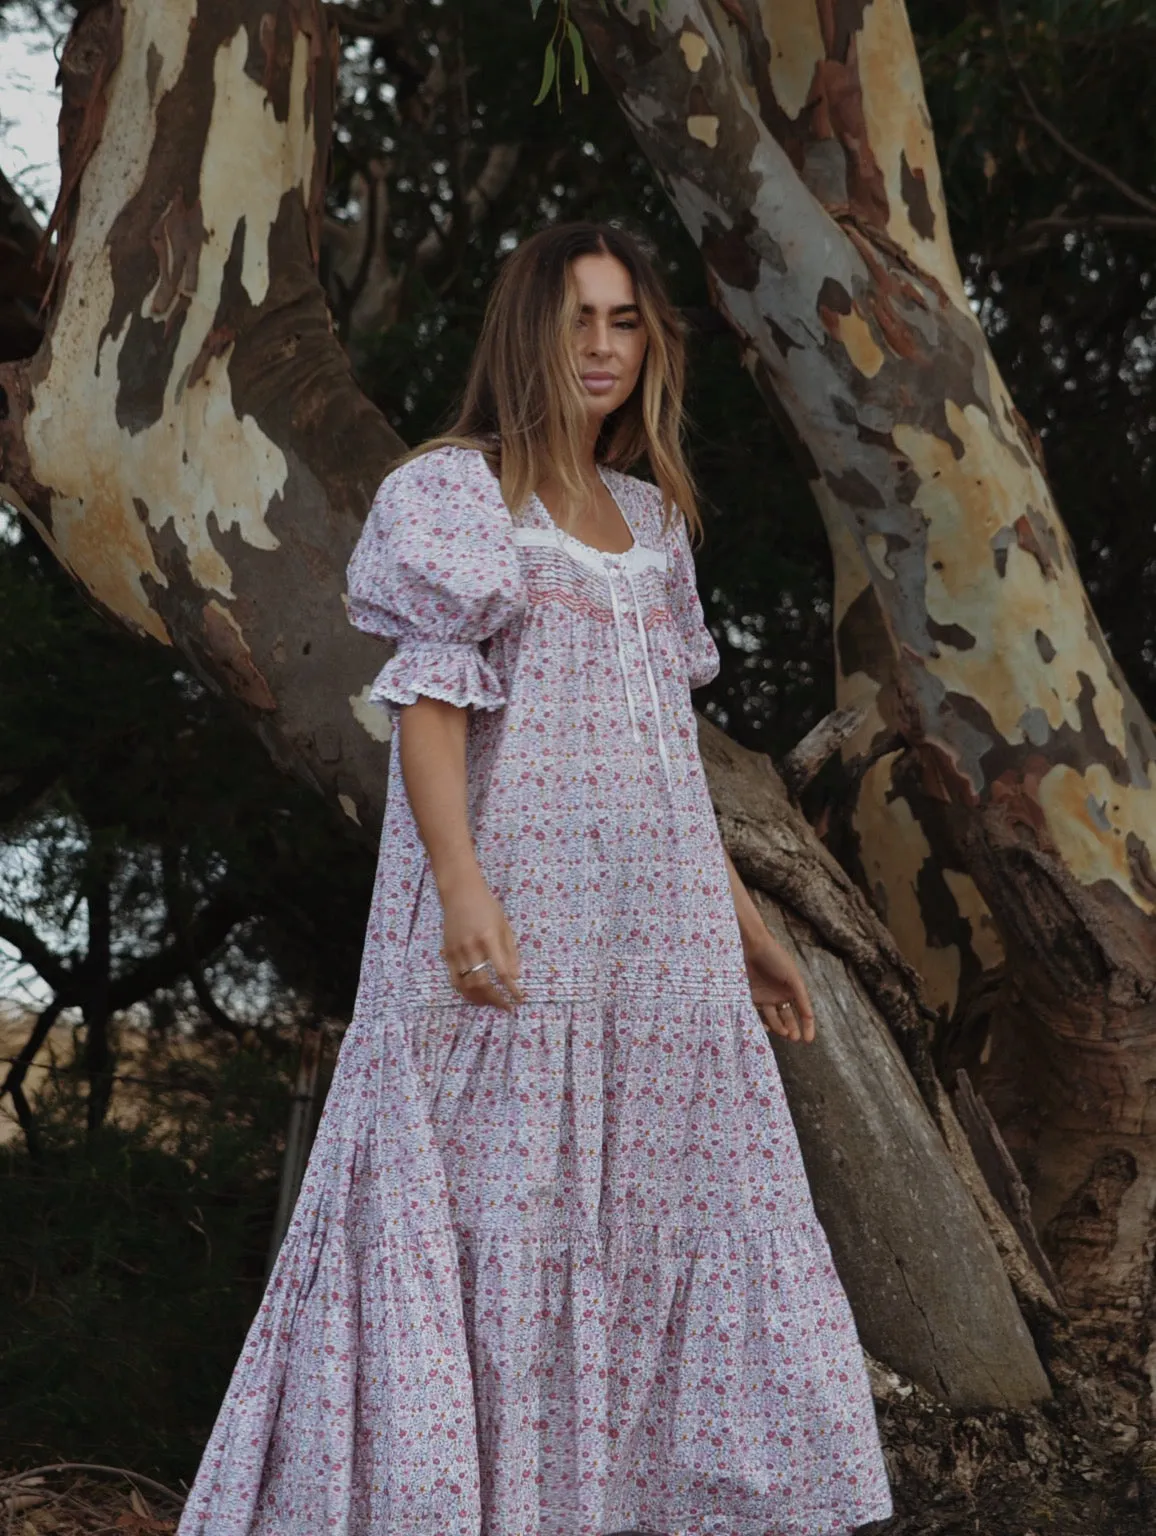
{"points": [[619, 325]]}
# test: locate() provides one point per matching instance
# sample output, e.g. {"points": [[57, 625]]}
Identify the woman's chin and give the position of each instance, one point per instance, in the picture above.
{"points": [[598, 408]]}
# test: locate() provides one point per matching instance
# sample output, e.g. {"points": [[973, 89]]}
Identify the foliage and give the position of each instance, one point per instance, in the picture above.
{"points": [[130, 1269], [565, 34], [123, 774]]}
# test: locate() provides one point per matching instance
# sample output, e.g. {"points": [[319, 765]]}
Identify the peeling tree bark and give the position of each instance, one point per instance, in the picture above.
{"points": [[188, 438], [1017, 816], [189, 442], [932, 1286]]}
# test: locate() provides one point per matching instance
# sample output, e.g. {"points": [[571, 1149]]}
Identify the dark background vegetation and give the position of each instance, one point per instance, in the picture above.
{"points": [[163, 882]]}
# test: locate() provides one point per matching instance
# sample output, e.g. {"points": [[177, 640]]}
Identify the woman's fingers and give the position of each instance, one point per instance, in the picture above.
{"points": [[777, 1019], [783, 1019], [801, 1005], [790, 1023], [509, 966], [480, 949], [488, 973], [481, 989], [479, 986]]}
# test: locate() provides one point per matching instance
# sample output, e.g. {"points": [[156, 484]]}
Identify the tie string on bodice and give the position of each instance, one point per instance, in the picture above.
{"points": [[605, 563]]}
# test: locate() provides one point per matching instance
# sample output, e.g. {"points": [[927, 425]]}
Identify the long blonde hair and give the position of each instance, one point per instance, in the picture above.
{"points": [[523, 405]]}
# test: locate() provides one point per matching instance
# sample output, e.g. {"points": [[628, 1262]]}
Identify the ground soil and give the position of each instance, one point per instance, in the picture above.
{"points": [[1080, 1464]]}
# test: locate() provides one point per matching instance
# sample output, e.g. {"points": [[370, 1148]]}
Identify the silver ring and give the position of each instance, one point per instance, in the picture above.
{"points": [[481, 965], [781, 1006]]}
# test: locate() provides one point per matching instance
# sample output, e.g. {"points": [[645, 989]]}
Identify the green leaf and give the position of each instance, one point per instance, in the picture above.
{"points": [[548, 67], [581, 76], [535, 7]]}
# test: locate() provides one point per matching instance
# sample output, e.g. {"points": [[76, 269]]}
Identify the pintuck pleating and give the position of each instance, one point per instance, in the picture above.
{"points": [[554, 1271]]}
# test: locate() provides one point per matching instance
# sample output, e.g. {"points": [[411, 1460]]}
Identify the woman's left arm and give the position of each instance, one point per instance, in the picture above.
{"points": [[777, 987]]}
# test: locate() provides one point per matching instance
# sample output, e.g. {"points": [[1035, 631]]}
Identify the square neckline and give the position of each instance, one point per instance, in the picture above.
{"points": [[605, 554]]}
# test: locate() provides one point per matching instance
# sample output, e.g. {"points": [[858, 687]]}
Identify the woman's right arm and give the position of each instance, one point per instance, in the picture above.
{"points": [[432, 752]]}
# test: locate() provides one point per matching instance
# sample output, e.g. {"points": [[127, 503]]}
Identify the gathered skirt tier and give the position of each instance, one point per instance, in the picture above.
{"points": [[561, 1267]]}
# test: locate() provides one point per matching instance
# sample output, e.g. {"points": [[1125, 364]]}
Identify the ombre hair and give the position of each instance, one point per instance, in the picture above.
{"points": [[523, 405]]}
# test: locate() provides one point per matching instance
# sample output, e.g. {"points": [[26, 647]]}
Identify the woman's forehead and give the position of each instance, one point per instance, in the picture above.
{"points": [[602, 280]]}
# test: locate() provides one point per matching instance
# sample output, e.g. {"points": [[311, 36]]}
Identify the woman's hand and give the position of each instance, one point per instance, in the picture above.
{"points": [[777, 988], [776, 985], [476, 930]]}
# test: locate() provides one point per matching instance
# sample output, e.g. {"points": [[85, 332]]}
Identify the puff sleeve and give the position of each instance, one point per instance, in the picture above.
{"points": [[436, 571], [698, 645]]}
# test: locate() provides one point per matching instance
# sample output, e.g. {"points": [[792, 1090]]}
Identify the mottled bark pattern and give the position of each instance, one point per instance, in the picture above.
{"points": [[187, 438], [1006, 815], [928, 1280]]}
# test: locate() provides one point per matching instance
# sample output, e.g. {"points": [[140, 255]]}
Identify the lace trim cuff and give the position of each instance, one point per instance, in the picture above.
{"points": [[453, 671]]}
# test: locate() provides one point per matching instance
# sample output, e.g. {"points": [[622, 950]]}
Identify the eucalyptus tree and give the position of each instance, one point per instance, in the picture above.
{"points": [[191, 443]]}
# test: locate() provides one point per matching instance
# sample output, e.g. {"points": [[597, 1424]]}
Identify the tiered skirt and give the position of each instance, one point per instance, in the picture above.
{"points": [[553, 1272]]}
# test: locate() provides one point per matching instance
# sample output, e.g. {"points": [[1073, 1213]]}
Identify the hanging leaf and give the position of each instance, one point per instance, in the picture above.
{"points": [[535, 7], [581, 76], [548, 66]]}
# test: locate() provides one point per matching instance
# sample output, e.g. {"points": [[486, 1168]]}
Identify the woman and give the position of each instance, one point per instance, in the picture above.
{"points": [[554, 1269]]}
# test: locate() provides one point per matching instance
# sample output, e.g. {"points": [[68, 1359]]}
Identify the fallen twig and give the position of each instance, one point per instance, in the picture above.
{"points": [[19, 1478]]}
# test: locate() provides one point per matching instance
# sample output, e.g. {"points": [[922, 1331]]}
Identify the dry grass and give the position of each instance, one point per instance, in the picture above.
{"points": [[174, 1068]]}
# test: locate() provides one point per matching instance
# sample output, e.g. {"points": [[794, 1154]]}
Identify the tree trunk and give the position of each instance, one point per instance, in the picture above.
{"points": [[189, 442], [99, 1054], [188, 438], [930, 1294], [1006, 801]]}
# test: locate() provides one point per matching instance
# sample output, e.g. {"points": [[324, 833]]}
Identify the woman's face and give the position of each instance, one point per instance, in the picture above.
{"points": [[609, 337]]}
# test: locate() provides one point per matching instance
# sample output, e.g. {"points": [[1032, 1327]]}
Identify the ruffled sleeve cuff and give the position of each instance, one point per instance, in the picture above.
{"points": [[451, 670]]}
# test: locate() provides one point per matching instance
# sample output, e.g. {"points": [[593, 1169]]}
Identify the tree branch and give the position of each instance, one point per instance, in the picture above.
{"points": [[20, 793], [804, 761], [22, 282], [31, 1474], [374, 211], [27, 1054], [350, 21], [491, 182], [27, 1122], [207, 932], [1137, 223], [99, 1059], [1079, 155], [36, 953], [175, 894], [19, 226], [13, 1084]]}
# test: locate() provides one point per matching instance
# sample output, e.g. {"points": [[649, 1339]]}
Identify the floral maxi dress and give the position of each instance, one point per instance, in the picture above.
{"points": [[554, 1271]]}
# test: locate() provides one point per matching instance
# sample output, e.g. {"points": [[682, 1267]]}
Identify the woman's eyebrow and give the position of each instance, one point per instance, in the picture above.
{"points": [[616, 309]]}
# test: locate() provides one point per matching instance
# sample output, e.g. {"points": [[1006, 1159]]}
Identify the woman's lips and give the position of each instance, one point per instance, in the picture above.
{"points": [[599, 382]]}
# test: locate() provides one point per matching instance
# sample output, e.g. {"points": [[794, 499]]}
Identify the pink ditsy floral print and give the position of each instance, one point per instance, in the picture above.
{"points": [[553, 1272]]}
